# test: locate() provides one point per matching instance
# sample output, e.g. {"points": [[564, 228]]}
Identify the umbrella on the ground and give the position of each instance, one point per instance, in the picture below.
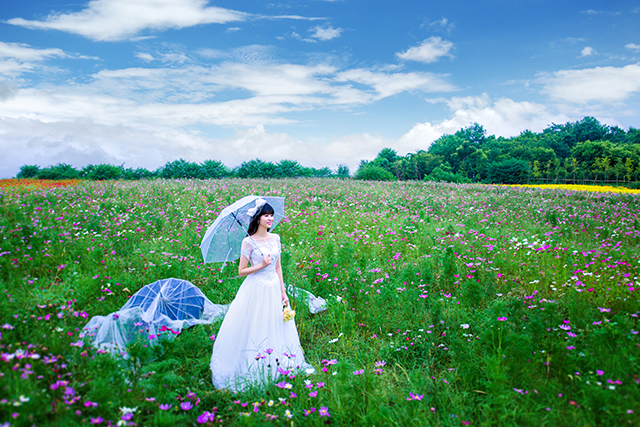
{"points": [[165, 306], [223, 238]]}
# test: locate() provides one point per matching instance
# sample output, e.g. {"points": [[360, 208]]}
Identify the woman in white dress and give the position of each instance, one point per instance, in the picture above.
{"points": [[254, 344]]}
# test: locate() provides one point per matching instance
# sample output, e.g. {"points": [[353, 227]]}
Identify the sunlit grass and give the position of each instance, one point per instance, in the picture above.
{"points": [[448, 304]]}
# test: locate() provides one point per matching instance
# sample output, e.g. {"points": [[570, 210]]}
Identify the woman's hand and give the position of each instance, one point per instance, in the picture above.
{"points": [[285, 299], [266, 261]]}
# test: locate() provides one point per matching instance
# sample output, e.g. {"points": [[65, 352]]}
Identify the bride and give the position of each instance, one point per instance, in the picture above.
{"points": [[254, 344]]}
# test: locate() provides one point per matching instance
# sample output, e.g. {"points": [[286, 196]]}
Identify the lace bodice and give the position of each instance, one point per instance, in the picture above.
{"points": [[256, 250]]}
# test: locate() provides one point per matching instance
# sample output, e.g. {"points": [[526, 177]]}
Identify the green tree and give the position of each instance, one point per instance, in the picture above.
{"points": [[343, 172], [28, 171], [257, 169], [213, 169], [59, 171], [509, 171], [629, 167], [102, 172], [180, 169], [371, 172]]}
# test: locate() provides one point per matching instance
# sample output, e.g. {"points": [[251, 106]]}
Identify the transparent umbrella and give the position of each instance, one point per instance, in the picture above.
{"points": [[165, 306], [222, 241]]}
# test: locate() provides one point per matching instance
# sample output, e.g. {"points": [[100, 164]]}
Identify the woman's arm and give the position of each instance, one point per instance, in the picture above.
{"points": [[285, 298], [245, 270]]}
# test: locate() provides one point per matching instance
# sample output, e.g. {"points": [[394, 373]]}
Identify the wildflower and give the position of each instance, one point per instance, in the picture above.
{"points": [[309, 412], [284, 384], [126, 410], [127, 417], [599, 372], [313, 394], [283, 372], [465, 326], [501, 319], [97, 420], [165, 406], [324, 412], [413, 396], [380, 364], [186, 406], [206, 417], [320, 385], [570, 347], [358, 372], [288, 414]]}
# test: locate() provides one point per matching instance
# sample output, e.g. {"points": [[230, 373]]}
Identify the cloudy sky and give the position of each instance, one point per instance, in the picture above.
{"points": [[143, 82]]}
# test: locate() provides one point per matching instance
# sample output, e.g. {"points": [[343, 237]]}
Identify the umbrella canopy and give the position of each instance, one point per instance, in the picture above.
{"points": [[174, 299], [223, 238], [159, 308]]}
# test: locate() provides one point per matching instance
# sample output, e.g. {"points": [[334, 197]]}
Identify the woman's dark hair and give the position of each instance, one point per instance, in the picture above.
{"points": [[265, 209]]}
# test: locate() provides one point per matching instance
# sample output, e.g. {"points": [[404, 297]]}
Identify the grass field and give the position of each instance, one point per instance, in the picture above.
{"points": [[448, 304]]}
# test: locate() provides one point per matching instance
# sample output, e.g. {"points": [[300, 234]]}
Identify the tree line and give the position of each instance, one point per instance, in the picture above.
{"points": [[182, 169], [585, 151]]}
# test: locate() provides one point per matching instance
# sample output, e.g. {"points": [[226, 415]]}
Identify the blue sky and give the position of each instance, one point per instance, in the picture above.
{"points": [[143, 82]]}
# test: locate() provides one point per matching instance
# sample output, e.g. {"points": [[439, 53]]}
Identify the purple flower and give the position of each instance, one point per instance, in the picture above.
{"points": [[599, 372], [413, 396], [284, 384], [313, 393], [127, 417], [185, 406], [358, 372], [269, 351], [206, 417], [324, 412], [96, 420], [165, 406], [501, 319], [309, 412]]}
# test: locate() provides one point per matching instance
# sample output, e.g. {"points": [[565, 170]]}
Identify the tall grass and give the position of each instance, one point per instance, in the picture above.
{"points": [[448, 304]]}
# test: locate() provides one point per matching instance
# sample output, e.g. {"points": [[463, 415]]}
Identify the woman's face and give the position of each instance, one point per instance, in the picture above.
{"points": [[266, 220]]}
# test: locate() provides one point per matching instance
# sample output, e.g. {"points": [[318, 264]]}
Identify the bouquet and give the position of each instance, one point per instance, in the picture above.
{"points": [[288, 313]]}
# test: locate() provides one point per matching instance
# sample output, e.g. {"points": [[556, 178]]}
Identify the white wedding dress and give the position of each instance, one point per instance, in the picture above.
{"points": [[254, 344]]}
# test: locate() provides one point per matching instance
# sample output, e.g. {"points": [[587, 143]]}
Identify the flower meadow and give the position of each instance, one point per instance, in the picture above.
{"points": [[448, 304]]}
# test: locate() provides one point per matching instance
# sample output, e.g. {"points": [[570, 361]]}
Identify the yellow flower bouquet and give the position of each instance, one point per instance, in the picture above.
{"points": [[288, 313]]}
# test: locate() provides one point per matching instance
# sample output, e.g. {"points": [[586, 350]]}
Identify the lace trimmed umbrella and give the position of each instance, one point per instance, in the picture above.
{"points": [[223, 238], [166, 306]]}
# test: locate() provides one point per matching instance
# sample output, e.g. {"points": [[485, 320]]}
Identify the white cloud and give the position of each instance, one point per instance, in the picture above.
{"points": [[599, 84], [18, 58], [503, 117], [428, 51], [632, 46], [587, 51], [145, 56], [23, 52], [388, 84], [108, 20], [325, 33]]}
